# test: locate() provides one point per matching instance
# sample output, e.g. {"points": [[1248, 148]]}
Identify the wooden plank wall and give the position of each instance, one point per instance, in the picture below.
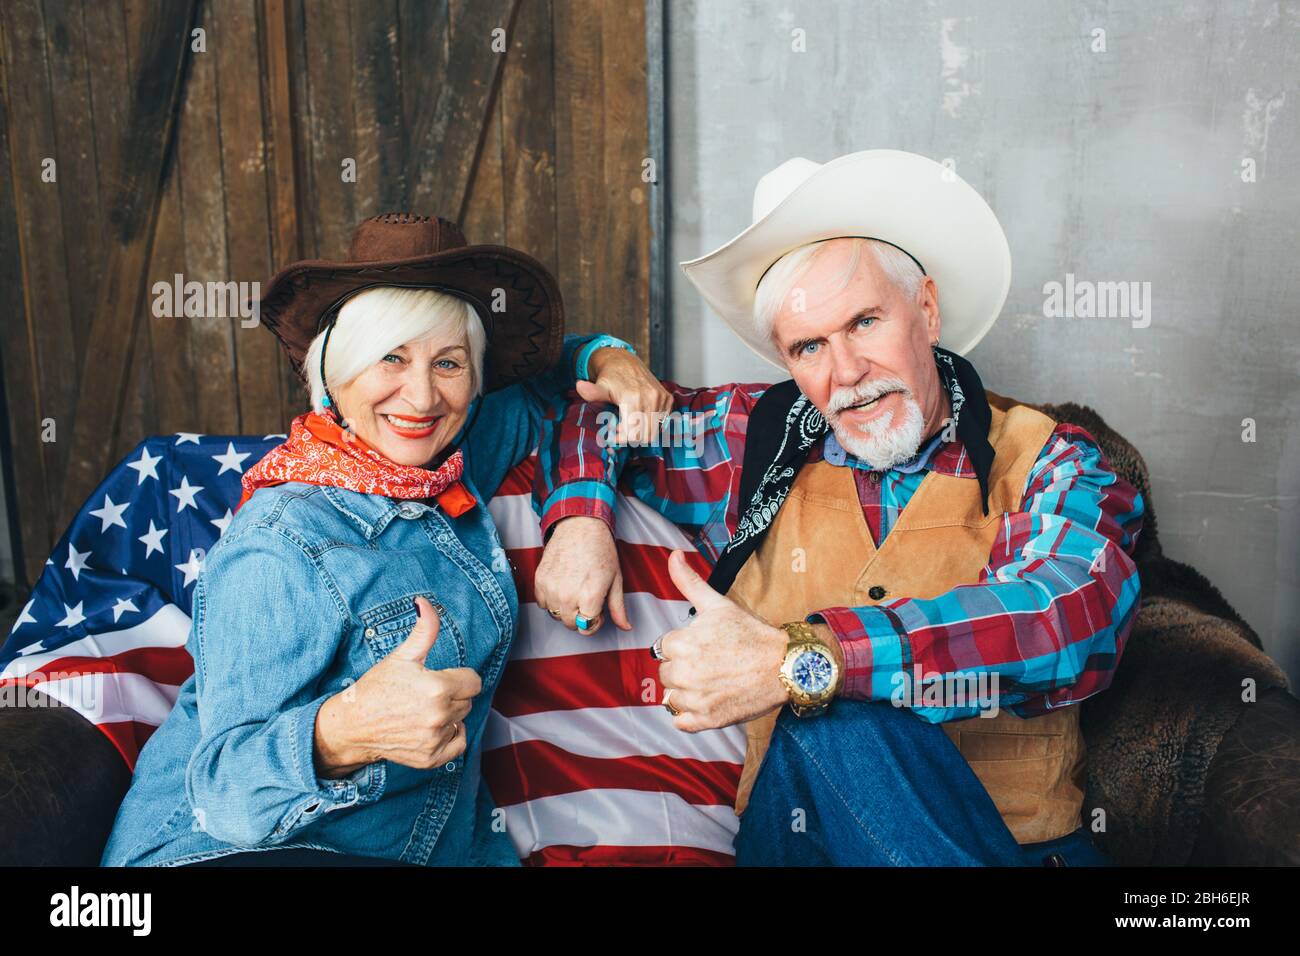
{"points": [[541, 147]]}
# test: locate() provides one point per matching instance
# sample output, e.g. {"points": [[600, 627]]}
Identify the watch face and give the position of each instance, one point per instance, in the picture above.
{"points": [[813, 672]]}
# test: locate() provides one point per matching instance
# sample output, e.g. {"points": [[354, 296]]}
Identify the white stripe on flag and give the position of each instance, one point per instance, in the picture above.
{"points": [[110, 698], [620, 818], [168, 627], [635, 522], [612, 732], [541, 636]]}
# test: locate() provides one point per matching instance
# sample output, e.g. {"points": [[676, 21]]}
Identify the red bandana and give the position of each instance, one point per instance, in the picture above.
{"points": [[319, 452]]}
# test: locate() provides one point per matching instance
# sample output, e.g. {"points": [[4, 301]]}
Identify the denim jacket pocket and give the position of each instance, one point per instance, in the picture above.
{"points": [[389, 624]]}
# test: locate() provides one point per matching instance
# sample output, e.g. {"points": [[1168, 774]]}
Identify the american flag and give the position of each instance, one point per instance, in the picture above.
{"points": [[580, 755]]}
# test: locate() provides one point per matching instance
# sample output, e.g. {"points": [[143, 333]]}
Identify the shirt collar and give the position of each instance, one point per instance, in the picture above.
{"points": [[947, 458], [370, 512]]}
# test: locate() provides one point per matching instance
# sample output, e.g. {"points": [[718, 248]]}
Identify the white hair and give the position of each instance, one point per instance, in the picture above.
{"points": [[779, 280], [880, 442], [374, 322]]}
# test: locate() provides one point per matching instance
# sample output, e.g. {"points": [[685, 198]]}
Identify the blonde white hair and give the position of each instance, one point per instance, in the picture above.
{"points": [[777, 282], [374, 322]]}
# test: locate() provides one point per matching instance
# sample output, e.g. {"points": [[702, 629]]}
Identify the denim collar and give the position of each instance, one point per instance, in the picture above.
{"points": [[836, 454], [371, 513]]}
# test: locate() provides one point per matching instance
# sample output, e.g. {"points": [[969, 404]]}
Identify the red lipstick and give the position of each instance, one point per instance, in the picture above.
{"points": [[405, 432]]}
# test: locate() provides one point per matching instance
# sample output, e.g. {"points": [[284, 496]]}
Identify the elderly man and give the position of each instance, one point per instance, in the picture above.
{"points": [[927, 573]]}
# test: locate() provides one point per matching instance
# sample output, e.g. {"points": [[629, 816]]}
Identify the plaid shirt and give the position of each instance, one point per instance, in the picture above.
{"points": [[881, 507], [1048, 616]]}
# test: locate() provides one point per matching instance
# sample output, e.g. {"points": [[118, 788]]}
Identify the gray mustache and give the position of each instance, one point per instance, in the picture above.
{"points": [[841, 401]]}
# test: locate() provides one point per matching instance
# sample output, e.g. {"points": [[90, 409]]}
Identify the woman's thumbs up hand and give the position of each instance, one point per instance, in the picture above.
{"points": [[401, 710]]}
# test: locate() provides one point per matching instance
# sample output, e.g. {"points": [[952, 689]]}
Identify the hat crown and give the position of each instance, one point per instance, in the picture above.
{"points": [[401, 235], [781, 182], [903, 198]]}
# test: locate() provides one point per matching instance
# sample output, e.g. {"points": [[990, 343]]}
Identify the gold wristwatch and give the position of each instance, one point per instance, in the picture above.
{"points": [[809, 672]]}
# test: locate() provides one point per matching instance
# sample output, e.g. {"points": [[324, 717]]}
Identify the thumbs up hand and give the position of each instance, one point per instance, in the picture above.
{"points": [[723, 667], [423, 636], [401, 710]]}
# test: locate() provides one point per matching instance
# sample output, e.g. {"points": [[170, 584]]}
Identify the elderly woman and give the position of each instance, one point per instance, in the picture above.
{"points": [[351, 624]]}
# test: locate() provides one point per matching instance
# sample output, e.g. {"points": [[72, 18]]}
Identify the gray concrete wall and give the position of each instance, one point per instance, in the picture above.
{"points": [[1123, 165]]}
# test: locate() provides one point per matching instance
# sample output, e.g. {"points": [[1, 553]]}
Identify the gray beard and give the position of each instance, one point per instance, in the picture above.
{"points": [[881, 443]]}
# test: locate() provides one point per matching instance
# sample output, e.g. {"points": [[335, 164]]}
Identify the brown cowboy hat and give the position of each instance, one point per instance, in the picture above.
{"points": [[400, 249]]}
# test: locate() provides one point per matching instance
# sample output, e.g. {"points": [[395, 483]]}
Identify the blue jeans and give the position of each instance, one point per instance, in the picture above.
{"points": [[871, 784]]}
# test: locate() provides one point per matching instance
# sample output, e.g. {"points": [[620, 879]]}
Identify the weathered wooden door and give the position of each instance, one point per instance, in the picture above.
{"points": [[175, 141]]}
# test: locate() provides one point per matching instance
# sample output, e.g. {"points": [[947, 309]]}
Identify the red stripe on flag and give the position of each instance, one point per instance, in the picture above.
{"points": [[532, 769], [645, 569], [162, 665], [519, 480], [562, 855], [129, 737], [575, 681]]}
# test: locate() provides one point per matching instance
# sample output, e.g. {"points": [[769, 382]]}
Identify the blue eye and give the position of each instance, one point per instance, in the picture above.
{"points": [[390, 355], [449, 363], [867, 318], [805, 349]]}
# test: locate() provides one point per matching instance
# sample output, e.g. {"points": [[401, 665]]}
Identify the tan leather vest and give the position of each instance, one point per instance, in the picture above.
{"points": [[819, 553]]}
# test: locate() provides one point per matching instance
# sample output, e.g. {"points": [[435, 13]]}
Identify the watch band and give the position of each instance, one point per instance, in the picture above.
{"points": [[801, 632], [591, 348]]}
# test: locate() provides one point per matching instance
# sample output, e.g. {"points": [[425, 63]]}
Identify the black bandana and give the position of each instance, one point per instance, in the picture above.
{"points": [[777, 448]]}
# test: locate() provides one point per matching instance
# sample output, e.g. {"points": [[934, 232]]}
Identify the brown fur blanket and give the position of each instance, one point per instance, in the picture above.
{"points": [[1181, 684]]}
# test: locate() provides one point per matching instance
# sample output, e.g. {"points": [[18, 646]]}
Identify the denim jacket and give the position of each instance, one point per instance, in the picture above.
{"points": [[308, 589]]}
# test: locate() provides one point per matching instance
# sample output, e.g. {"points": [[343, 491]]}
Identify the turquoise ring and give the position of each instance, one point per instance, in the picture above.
{"points": [[582, 622]]}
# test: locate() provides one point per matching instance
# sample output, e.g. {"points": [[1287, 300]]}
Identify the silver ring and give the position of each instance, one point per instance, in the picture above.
{"points": [[671, 709], [657, 649]]}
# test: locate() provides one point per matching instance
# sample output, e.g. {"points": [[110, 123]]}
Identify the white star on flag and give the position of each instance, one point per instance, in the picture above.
{"points": [[188, 436], [72, 616], [152, 540], [123, 605], [185, 495], [222, 523], [24, 617], [231, 460], [192, 567], [76, 561], [147, 466], [265, 437], [110, 514]]}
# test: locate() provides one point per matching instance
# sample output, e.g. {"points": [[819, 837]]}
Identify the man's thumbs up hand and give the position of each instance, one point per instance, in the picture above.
{"points": [[420, 641], [723, 667], [693, 587]]}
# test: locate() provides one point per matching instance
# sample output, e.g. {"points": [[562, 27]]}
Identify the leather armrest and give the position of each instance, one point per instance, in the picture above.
{"points": [[61, 781]]}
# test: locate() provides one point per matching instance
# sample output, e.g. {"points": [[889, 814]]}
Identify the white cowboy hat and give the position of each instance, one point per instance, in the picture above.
{"points": [[919, 205]]}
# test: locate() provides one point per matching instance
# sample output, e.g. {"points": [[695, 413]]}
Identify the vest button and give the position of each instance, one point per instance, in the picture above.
{"points": [[876, 592]]}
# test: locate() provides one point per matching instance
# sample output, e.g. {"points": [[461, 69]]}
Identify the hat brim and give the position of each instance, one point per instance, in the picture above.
{"points": [[903, 198], [523, 340]]}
